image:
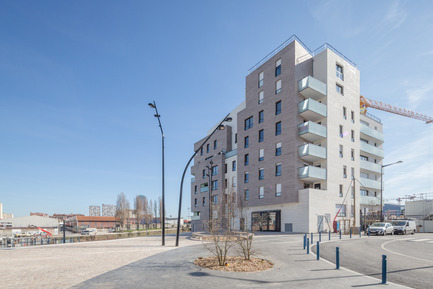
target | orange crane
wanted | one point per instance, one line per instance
(365, 102)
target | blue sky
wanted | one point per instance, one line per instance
(76, 77)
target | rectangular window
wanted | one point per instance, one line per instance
(341, 131)
(204, 201)
(204, 174)
(278, 87)
(278, 170)
(246, 195)
(341, 191)
(225, 183)
(278, 149)
(363, 140)
(261, 135)
(317, 186)
(352, 116)
(344, 172)
(261, 192)
(341, 151)
(246, 141)
(249, 123)
(195, 203)
(261, 75)
(341, 209)
(352, 135)
(207, 148)
(246, 177)
(204, 188)
(261, 97)
(246, 159)
(236, 138)
(352, 154)
(339, 89)
(233, 181)
(278, 108)
(195, 189)
(363, 192)
(261, 174)
(261, 114)
(261, 154)
(344, 112)
(339, 71)
(364, 158)
(214, 170)
(201, 151)
(278, 128)
(215, 144)
(278, 67)
(233, 166)
(278, 190)
(225, 168)
(214, 185)
(352, 173)
(215, 199)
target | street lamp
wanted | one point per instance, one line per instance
(220, 126)
(209, 173)
(153, 105)
(381, 187)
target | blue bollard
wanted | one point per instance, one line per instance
(320, 236)
(311, 238)
(305, 241)
(383, 269)
(350, 233)
(369, 233)
(359, 231)
(337, 257)
(340, 234)
(308, 246)
(318, 251)
(329, 235)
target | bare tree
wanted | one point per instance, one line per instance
(148, 213)
(138, 210)
(155, 209)
(122, 209)
(244, 244)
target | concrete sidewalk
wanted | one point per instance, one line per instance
(293, 268)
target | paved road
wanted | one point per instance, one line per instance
(293, 268)
(410, 257)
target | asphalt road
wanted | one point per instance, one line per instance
(409, 257)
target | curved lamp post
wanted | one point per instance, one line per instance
(381, 187)
(153, 105)
(220, 126)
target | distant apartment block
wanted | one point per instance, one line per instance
(298, 152)
(108, 210)
(39, 214)
(94, 211)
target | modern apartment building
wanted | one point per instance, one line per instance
(298, 151)
(94, 211)
(108, 210)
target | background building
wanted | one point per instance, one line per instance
(108, 210)
(298, 151)
(94, 211)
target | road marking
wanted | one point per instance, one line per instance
(420, 240)
(431, 242)
(383, 247)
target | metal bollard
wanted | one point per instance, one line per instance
(318, 250)
(308, 246)
(337, 257)
(359, 231)
(369, 233)
(320, 236)
(329, 235)
(305, 241)
(340, 234)
(311, 238)
(350, 233)
(13, 243)
(383, 269)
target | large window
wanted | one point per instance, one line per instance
(261, 75)
(214, 170)
(261, 114)
(341, 209)
(233, 166)
(261, 173)
(278, 169)
(339, 71)
(246, 177)
(339, 89)
(261, 155)
(246, 141)
(204, 187)
(278, 67)
(278, 149)
(249, 123)
(278, 128)
(278, 190)
(261, 135)
(278, 108)
(261, 192)
(278, 87)
(261, 97)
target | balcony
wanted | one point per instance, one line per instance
(368, 131)
(369, 200)
(193, 180)
(311, 87)
(370, 184)
(231, 153)
(195, 218)
(311, 131)
(312, 110)
(369, 166)
(310, 173)
(311, 152)
(364, 147)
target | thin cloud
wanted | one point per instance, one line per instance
(395, 16)
(418, 94)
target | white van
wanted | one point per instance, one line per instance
(404, 227)
(88, 231)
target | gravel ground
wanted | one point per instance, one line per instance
(65, 265)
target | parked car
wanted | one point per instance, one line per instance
(88, 231)
(381, 229)
(404, 226)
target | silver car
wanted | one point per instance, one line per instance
(381, 229)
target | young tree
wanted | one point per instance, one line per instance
(155, 209)
(122, 209)
(138, 210)
(244, 243)
(148, 213)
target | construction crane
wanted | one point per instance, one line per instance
(365, 102)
